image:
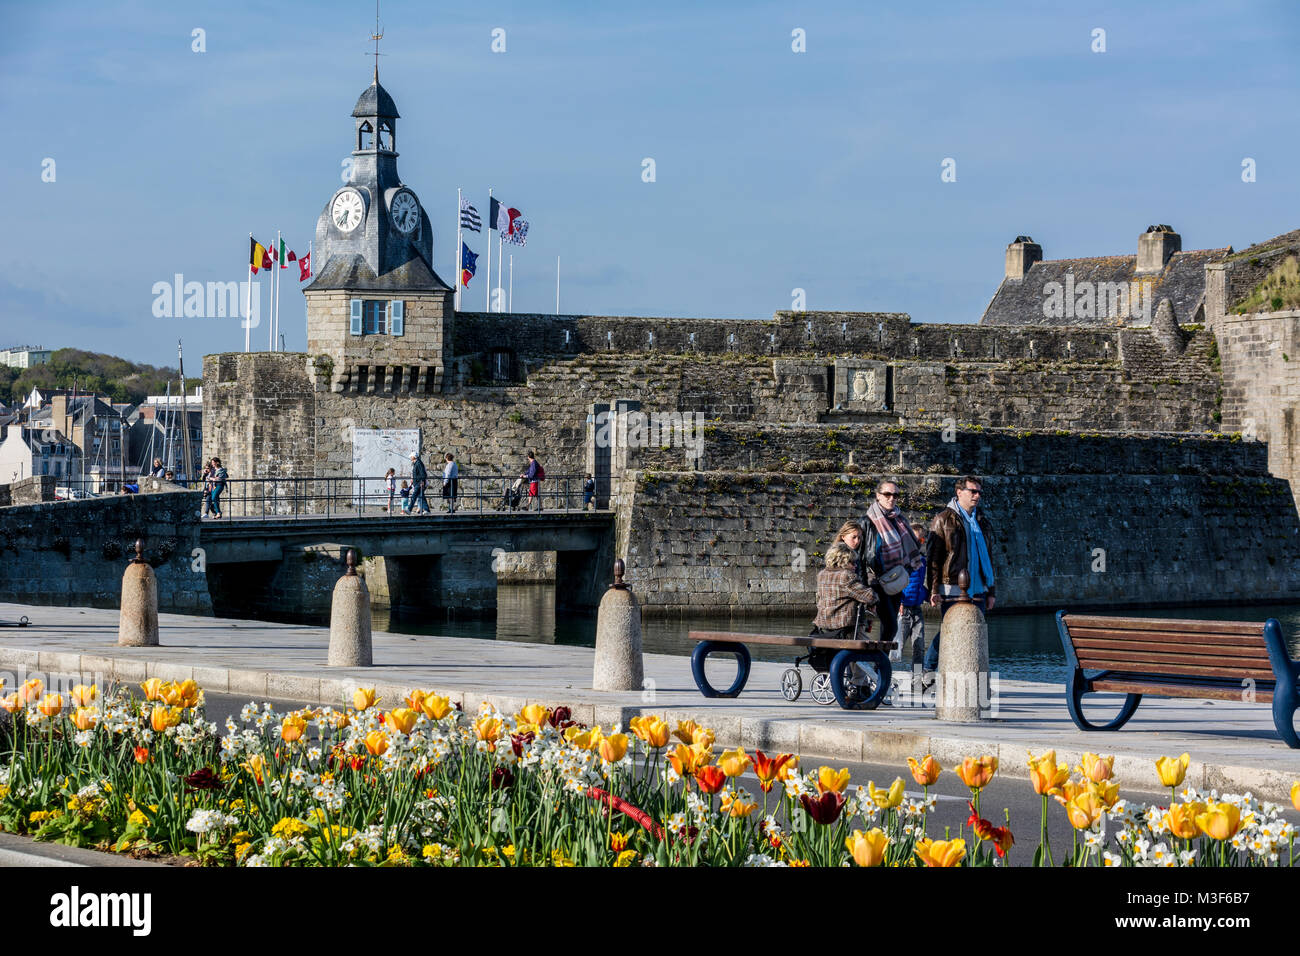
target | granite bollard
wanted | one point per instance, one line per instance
(138, 621)
(963, 679)
(350, 620)
(618, 638)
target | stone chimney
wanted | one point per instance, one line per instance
(1022, 254)
(1155, 246)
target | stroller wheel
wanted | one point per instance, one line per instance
(791, 684)
(821, 689)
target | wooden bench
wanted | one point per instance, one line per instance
(873, 654)
(1161, 657)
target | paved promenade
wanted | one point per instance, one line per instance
(1234, 746)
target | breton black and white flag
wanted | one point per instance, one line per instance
(469, 217)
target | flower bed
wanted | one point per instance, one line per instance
(423, 784)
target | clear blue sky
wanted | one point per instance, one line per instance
(775, 170)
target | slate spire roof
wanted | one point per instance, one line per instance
(375, 101)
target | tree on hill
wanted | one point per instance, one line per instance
(119, 379)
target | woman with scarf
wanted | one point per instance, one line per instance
(889, 550)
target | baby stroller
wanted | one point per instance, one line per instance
(512, 496)
(866, 683)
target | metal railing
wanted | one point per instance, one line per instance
(368, 497)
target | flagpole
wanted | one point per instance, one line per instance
(248, 298)
(305, 312)
(279, 265)
(456, 278)
(510, 302)
(500, 247)
(557, 285)
(487, 286)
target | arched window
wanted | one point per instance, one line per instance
(364, 134)
(386, 137)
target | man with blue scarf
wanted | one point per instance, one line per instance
(960, 539)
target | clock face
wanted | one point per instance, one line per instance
(405, 211)
(347, 210)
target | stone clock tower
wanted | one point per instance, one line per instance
(376, 308)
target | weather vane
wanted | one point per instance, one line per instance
(377, 36)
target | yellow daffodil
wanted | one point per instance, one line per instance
(402, 719)
(1046, 774)
(653, 730)
(867, 849)
(51, 705)
(734, 762)
(829, 779)
(363, 698)
(1083, 810)
(1180, 818)
(83, 695)
(886, 799)
(377, 742)
(613, 747)
(1219, 821)
(925, 771)
(1096, 768)
(435, 707)
(161, 717)
(976, 772)
(941, 852)
(292, 728)
(1172, 770)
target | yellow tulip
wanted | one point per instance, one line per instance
(377, 742)
(693, 735)
(926, 771)
(1180, 818)
(941, 852)
(415, 699)
(11, 704)
(734, 762)
(653, 730)
(30, 692)
(83, 719)
(613, 747)
(83, 695)
(435, 707)
(487, 728)
(1046, 774)
(1295, 795)
(1083, 810)
(161, 717)
(1068, 791)
(1107, 792)
(1172, 770)
(686, 760)
(402, 719)
(886, 799)
(867, 849)
(256, 765)
(151, 688)
(169, 694)
(829, 779)
(363, 698)
(976, 772)
(534, 714)
(1219, 821)
(292, 728)
(1096, 768)
(51, 705)
(186, 694)
(733, 806)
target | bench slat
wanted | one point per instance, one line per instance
(1233, 654)
(1114, 663)
(1166, 637)
(1242, 628)
(781, 640)
(1182, 689)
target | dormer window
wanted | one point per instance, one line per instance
(365, 133)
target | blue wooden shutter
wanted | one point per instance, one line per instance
(356, 316)
(396, 317)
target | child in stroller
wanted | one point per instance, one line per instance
(844, 611)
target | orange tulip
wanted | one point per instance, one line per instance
(488, 729)
(256, 765)
(187, 694)
(692, 734)
(377, 742)
(1083, 810)
(402, 719)
(435, 707)
(83, 695)
(653, 730)
(769, 769)
(1219, 821)
(613, 747)
(941, 852)
(710, 779)
(363, 698)
(733, 806)
(734, 762)
(868, 849)
(1180, 818)
(1096, 768)
(160, 718)
(686, 760)
(30, 692)
(789, 768)
(1172, 770)
(1295, 795)
(1068, 791)
(292, 728)
(1046, 774)
(829, 779)
(926, 771)
(415, 699)
(83, 719)
(51, 705)
(152, 688)
(976, 772)
(11, 704)
(141, 754)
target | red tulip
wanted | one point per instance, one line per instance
(768, 768)
(825, 808)
(710, 779)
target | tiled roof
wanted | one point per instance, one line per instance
(1021, 301)
(352, 272)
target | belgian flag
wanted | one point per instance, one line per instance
(258, 257)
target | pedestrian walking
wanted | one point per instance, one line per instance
(589, 492)
(961, 539)
(911, 619)
(450, 478)
(219, 478)
(390, 483)
(534, 474)
(419, 479)
(205, 482)
(890, 550)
